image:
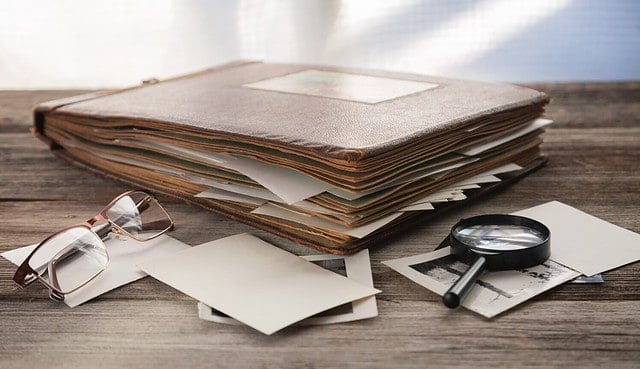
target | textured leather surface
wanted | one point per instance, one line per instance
(216, 101)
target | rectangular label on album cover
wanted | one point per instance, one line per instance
(343, 86)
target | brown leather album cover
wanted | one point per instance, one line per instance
(329, 157)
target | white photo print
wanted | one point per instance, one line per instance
(356, 267)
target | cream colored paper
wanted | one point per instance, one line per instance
(419, 206)
(218, 194)
(357, 267)
(479, 179)
(584, 242)
(254, 282)
(251, 191)
(477, 149)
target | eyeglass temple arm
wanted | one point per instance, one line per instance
(24, 276)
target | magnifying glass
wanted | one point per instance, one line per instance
(495, 242)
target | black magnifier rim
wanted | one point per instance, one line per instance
(502, 259)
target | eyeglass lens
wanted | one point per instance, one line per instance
(140, 215)
(498, 237)
(70, 258)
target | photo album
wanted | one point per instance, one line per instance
(331, 158)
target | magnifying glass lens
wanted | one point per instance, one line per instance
(498, 237)
(495, 242)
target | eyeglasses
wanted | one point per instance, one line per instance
(73, 256)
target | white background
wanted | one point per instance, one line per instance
(92, 43)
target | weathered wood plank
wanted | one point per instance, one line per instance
(590, 105)
(167, 334)
(15, 107)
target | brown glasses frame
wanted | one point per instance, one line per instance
(25, 274)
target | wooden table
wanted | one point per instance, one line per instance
(594, 155)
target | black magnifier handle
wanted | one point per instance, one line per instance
(459, 290)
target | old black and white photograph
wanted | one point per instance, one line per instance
(494, 292)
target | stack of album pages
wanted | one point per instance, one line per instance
(332, 158)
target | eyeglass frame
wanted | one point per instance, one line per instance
(25, 274)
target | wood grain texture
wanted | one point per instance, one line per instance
(594, 156)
